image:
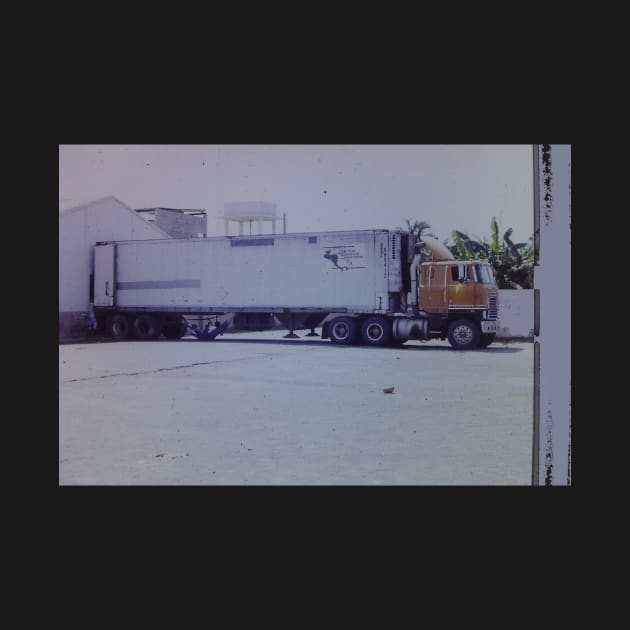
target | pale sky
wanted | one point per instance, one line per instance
(319, 187)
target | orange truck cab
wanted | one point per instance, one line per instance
(460, 299)
(449, 299)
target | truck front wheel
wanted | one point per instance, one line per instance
(463, 334)
(343, 330)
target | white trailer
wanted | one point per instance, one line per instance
(355, 284)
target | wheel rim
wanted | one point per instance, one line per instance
(463, 334)
(375, 332)
(341, 330)
(118, 328)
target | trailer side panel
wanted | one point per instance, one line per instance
(345, 270)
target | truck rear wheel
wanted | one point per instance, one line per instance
(120, 327)
(376, 331)
(463, 334)
(146, 327)
(174, 328)
(486, 339)
(343, 330)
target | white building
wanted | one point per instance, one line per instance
(80, 228)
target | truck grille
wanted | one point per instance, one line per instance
(492, 306)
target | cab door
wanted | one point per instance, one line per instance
(461, 286)
(433, 288)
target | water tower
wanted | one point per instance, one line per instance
(249, 212)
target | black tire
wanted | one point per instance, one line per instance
(174, 328)
(486, 339)
(377, 331)
(120, 327)
(146, 327)
(343, 331)
(463, 334)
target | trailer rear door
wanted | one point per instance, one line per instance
(104, 274)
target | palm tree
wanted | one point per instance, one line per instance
(413, 226)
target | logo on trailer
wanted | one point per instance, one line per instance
(349, 257)
(335, 259)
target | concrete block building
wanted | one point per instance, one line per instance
(178, 223)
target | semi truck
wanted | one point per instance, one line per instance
(372, 287)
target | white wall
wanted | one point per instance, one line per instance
(80, 228)
(516, 313)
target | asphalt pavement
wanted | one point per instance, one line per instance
(255, 408)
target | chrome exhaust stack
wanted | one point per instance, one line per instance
(412, 298)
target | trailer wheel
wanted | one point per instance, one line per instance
(486, 339)
(146, 327)
(376, 331)
(174, 329)
(463, 334)
(343, 330)
(120, 327)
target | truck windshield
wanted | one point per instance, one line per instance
(485, 274)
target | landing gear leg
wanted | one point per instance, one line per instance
(291, 334)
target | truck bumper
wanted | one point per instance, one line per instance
(489, 327)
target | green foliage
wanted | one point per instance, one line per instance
(416, 227)
(513, 263)
(494, 243)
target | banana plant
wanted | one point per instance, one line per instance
(512, 262)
